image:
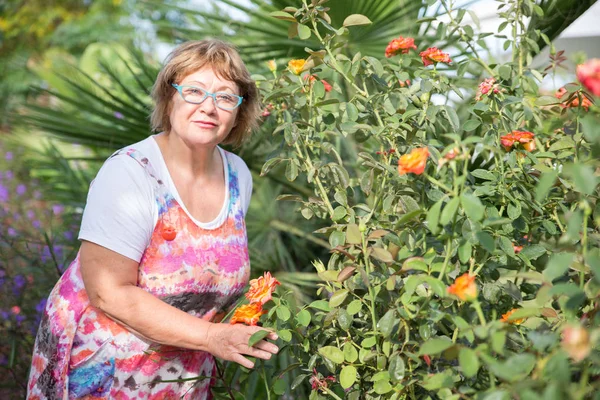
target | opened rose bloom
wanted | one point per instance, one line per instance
(488, 86)
(515, 137)
(414, 162)
(399, 45)
(434, 55)
(506, 316)
(261, 289)
(295, 66)
(576, 342)
(563, 95)
(589, 75)
(464, 287)
(248, 314)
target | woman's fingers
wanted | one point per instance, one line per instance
(267, 346)
(243, 361)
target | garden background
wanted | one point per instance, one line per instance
(407, 200)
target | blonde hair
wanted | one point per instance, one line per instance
(224, 59)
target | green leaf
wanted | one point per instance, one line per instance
(350, 353)
(514, 210)
(283, 313)
(397, 369)
(356, 19)
(483, 174)
(464, 252)
(498, 340)
(544, 185)
(468, 361)
(282, 15)
(486, 241)
(472, 206)
(353, 235)
(291, 171)
(354, 307)
(533, 252)
(322, 305)
(338, 298)
(387, 322)
(257, 337)
(368, 342)
(452, 118)
(348, 376)
(382, 386)
(559, 264)
(435, 346)
(471, 125)
(339, 213)
(269, 165)
(303, 318)
(433, 216)
(303, 32)
(583, 177)
(449, 211)
(332, 353)
(285, 335)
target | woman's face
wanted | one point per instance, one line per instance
(203, 124)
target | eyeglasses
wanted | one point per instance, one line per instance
(196, 95)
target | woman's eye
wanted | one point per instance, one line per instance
(225, 97)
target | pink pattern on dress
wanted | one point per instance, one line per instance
(80, 353)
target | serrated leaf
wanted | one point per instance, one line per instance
(356, 19)
(483, 174)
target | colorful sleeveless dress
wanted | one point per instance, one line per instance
(80, 353)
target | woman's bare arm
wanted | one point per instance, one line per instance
(110, 281)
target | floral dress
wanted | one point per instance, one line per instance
(80, 353)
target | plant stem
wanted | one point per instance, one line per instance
(477, 308)
(332, 394)
(371, 291)
(446, 259)
(440, 184)
(264, 375)
(587, 211)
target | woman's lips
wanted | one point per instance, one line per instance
(205, 124)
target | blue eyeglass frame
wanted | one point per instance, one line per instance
(207, 94)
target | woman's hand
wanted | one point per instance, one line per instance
(230, 342)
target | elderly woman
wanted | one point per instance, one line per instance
(164, 248)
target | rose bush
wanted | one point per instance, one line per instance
(462, 213)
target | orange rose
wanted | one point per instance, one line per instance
(399, 45)
(589, 75)
(414, 162)
(248, 314)
(574, 102)
(523, 137)
(262, 288)
(434, 55)
(295, 66)
(506, 316)
(576, 342)
(464, 287)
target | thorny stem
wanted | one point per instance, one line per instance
(446, 259)
(586, 215)
(477, 308)
(264, 376)
(440, 184)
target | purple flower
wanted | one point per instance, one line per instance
(21, 189)
(57, 209)
(118, 115)
(41, 306)
(3, 359)
(36, 224)
(45, 256)
(9, 175)
(37, 194)
(3, 193)
(16, 216)
(30, 214)
(68, 235)
(8, 156)
(12, 232)
(19, 281)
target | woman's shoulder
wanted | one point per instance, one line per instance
(239, 164)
